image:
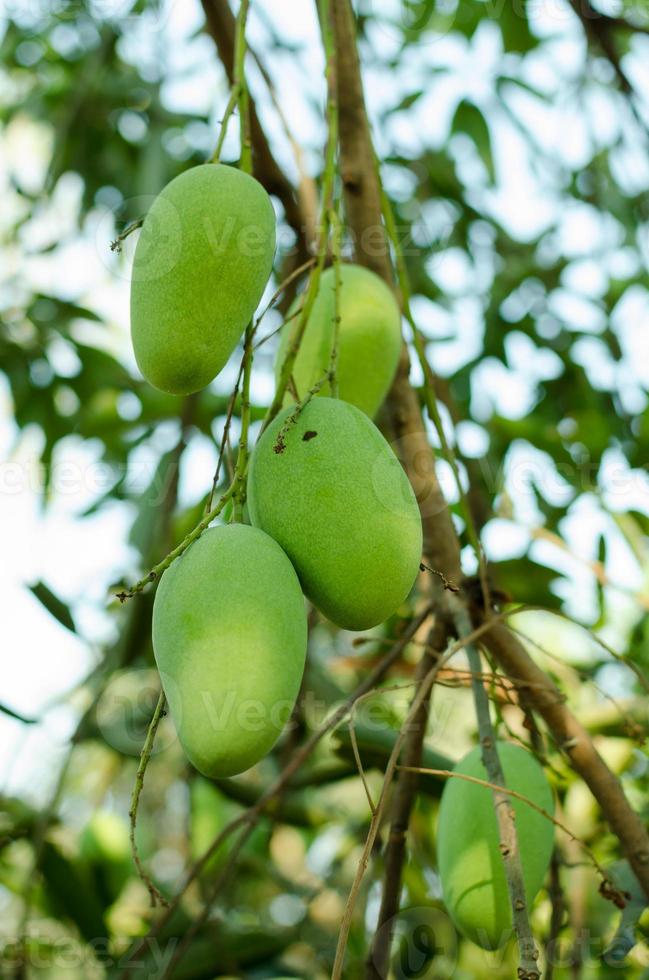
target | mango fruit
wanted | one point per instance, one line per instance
(369, 338)
(229, 637)
(201, 264)
(330, 490)
(469, 861)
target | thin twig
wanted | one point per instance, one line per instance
(558, 903)
(359, 764)
(214, 891)
(452, 774)
(193, 535)
(145, 755)
(239, 480)
(446, 582)
(17, 715)
(335, 258)
(116, 245)
(505, 815)
(221, 25)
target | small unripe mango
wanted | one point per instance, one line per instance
(469, 861)
(201, 264)
(369, 338)
(330, 490)
(229, 636)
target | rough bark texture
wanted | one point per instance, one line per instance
(404, 797)
(363, 210)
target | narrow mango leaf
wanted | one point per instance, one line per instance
(469, 119)
(55, 606)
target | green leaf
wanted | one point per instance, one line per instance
(70, 892)
(527, 582)
(514, 26)
(55, 606)
(469, 119)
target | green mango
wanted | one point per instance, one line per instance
(201, 264)
(369, 338)
(229, 636)
(469, 861)
(339, 503)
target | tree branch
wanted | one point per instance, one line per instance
(573, 740)
(505, 814)
(377, 963)
(364, 217)
(441, 544)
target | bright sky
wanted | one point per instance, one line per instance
(80, 557)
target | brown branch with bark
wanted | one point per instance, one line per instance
(441, 544)
(363, 212)
(376, 965)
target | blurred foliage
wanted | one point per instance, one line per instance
(533, 331)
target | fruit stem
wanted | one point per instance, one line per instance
(336, 238)
(239, 482)
(324, 225)
(158, 569)
(245, 160)
(238, 97)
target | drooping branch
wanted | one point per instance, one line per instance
(145, 756)
(505, 814)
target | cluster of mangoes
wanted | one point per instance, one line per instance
(333, 515)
